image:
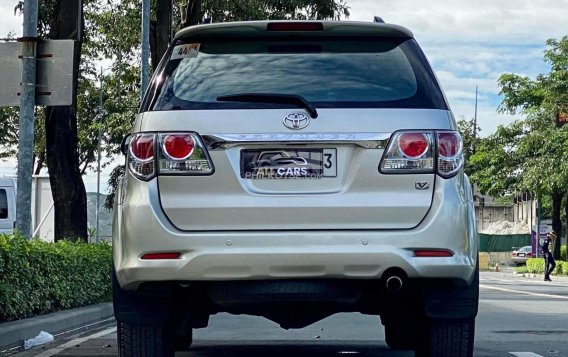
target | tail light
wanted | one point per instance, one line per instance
(423, 151)
(450, 156)
(178, 146)
(141, 156)
(409, 152)
(413, 145)
(152, 154)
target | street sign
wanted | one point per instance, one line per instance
(54, 73)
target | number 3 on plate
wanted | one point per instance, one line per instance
(329, 162)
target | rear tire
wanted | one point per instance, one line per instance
(183, 342)
(399, 337)
(447, 338)
(144, 340)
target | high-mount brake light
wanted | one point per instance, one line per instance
(178, 146)
(294, 26)
(413, 145)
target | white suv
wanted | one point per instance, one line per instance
(293, 170)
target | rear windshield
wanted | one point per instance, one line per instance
(328, 73)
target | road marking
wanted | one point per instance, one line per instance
(75, 342)
(524, 292)
(524, 354)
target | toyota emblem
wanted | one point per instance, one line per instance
(296, 121)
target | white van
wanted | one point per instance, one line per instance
(7, 204)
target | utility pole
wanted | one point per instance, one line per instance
(475, 121)
(100, 117)
(26, 129)
(145, 47)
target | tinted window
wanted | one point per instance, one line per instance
(3, 204)
(329, 73)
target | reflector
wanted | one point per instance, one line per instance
(433, 253)
(153, 256)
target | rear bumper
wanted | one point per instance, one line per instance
(140, 227)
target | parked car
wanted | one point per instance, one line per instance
(373, 214)
(521, 255)
(7, 205)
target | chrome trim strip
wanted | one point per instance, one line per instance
(365, 140)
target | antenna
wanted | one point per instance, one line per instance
(378, 19)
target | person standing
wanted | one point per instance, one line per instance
(549, 263)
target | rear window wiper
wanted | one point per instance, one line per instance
(271, 98)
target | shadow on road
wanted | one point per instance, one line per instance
(292, 348)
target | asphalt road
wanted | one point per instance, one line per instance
(518, 317)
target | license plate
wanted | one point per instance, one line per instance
(521, 254)
(288, 163)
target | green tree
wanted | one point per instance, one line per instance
(67, 141)
(119, 35)
(470, 137)
(530, 154)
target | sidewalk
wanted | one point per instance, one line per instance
(509, 272)
(13, 333)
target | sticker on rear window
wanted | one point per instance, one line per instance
(185, 51)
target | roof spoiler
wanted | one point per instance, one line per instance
(378, 19)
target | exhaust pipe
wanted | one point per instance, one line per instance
(393, 283)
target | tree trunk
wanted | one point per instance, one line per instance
(68, 189)
(556, 222)
(160, 31)
(192, 13)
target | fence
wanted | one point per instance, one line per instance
(502, 242)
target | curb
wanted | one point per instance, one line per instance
(13, 333)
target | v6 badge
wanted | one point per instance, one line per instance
(422, 185)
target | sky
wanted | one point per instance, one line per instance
(469, 43)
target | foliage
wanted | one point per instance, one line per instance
(37, 277)
(9, 117)
(224, 11)
(8, 131)
(470, 137)
(115, 176)
(529, 155)
(521, 269)
(536, 266)
(111, 35)
(494, 165)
